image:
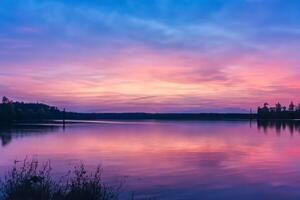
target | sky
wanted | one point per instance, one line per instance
(150, 55)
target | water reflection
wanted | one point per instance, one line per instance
(23, 130)
(291, 126)
(7, 134)
(176, 160)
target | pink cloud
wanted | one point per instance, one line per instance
(155, 80)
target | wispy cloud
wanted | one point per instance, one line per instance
(150, 55)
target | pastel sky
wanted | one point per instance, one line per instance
(150, 55)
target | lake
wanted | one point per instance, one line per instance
(170, 159)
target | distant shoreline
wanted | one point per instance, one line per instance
(159, 116)
(65, 118)
(11, 112)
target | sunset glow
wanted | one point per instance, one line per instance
(148, 55)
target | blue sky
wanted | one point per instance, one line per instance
(205, 54)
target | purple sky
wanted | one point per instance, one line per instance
(150, 55)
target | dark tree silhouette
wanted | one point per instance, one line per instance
(298, 108)
(278, 107)
(278, 112)
(11, 111)
(291, 106)
(5, 100)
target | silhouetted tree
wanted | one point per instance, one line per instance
(279, 112)
(284, 108)
(298, 108)
(11, 111)
(5, 100)
(265, 108)
(7, 110)
(278, 107)
(291, 106)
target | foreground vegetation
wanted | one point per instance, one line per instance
(31, 181)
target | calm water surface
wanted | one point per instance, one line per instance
(171, 160)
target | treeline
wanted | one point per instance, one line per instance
(11, 111)
(15, 111)
(160, 116)
(279, 111)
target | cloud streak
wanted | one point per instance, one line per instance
(149, 55)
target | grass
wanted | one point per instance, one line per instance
(32, 181)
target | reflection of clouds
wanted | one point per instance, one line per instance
(185, 155)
